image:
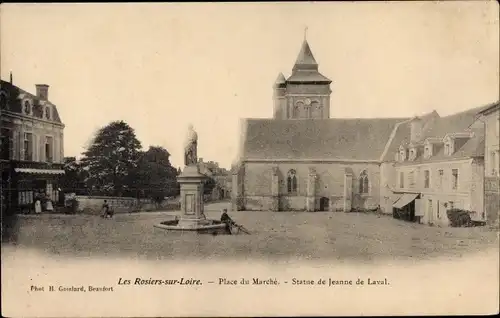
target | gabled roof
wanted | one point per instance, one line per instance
(338, 139)
(13, 92)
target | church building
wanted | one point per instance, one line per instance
(304, 160)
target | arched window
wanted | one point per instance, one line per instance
(363, 182)
(291, 181)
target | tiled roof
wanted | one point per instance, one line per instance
(301, 76)
(13, 93)
(305, 56)
(437, 128)
(474, 147)
(280, 79)
(305, 69)
(402, 136)
(341, 139)
(489, 108)
(458, 122)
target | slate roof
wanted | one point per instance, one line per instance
(305, 69)
(341, 139)
(490, 108)
(305, 56)
(280, 80)
(402, 135)
(439, 127)
(308, 77)
(14, 102)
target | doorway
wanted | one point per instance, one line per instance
(324, 204)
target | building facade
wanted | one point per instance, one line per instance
(490, 117)
(302, 159)
(32, 147)
(221, 176)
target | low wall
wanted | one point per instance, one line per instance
(93, 204)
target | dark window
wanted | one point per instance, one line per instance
(427, 180)
(292, 182)
(6, 144)
(454, 173)
(3, 101)
(28, 146)
(27, 107)
(363, 182)
(48, 149)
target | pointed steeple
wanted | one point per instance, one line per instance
(305, 69)
(280, 80)
(305, 59)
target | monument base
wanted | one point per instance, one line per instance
(201, 226)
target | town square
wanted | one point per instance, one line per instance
(155, 133)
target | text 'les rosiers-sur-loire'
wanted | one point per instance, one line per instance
(253, 281)
(151, 281)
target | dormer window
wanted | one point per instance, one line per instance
(428, 151)
(402, 154)
(448, 146)
(27, 107)
(47, 113)
(413, 154)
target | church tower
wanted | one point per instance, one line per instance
(306, 93)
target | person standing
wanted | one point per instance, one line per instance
(105, 209)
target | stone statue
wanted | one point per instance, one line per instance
(190, 155)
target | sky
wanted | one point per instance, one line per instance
(160, 67)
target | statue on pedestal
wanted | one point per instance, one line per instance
(190, 147)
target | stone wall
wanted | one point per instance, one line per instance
(329, 184)
(93, 204)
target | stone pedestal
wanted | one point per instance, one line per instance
(191, 183)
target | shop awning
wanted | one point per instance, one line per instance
(38, 171)
(404, 200)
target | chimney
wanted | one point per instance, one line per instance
(11, 78)
(42, 91)
(416, 129)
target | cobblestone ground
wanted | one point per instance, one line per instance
(274, 236)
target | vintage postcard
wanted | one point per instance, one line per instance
(250, 159)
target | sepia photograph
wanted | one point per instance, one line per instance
(250, 159)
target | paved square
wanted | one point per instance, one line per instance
(276, 236)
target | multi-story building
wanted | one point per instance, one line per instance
(491, 119)
(32, 151)
(440, 166)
